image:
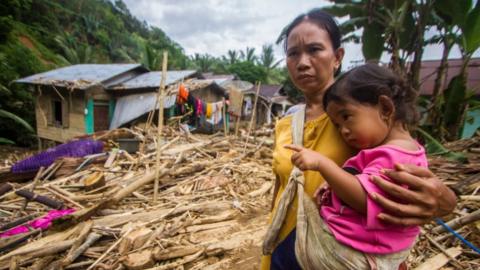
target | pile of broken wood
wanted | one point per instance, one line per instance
(210, 210)
(437, 248)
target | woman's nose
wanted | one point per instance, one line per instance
(303, 62)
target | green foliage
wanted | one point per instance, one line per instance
(16, 119)
(472, 29)
(434, 147)
(399, 26)
(372, 41)
(40, 35)
(248, 71)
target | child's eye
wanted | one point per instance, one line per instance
(346, 117)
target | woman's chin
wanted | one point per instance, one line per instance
(311, 89)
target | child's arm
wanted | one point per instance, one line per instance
(346, 186)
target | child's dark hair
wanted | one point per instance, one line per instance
(366, 83)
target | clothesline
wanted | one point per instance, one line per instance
(211, 111)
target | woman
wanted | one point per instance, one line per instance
(314, 55)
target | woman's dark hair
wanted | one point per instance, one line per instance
(366, 83)
(323, 20)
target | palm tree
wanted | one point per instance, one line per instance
(248, 55)
(268, 62)
(267, 58)
(203, 62)
(150, 57)
(73, 52)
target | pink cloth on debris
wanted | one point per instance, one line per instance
(39, 223)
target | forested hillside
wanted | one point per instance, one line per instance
(40, 35)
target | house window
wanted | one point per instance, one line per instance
(57, 113)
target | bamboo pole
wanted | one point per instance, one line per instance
(253, 116)
(32, 188)
(224, 108)
(160, 123)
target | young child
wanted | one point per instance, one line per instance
(372, 109)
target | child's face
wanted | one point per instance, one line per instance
(361, 126)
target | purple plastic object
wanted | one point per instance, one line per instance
(40, 223)
(78, 148)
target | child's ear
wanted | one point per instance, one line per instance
(387, 108)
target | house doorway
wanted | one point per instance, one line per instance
(100, 115)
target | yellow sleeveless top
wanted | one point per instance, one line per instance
(319, 135)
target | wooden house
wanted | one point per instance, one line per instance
(272, 103)
(82, 99)
(72, 101)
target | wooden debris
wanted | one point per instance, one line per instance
(139, 260)
(94, 181)
(134, 240)
(211, 210)
(39, 198)
(439, 260)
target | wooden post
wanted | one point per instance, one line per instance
(253, 116)
(160, 122)
(224, 109)
(237, 124)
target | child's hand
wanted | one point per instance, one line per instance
(305, 159)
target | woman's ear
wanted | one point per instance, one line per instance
(387, 108)
(339, 53)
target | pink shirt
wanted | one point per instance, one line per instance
(367, 233)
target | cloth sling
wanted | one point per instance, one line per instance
(308, 226)
(315, 247)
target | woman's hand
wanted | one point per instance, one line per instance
(305, 159)
(426, 198)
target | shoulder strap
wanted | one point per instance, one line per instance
(298, 121)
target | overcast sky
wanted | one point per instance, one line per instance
(216, 26)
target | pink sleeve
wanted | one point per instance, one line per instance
(374, 161)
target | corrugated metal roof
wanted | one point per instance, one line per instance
(79, 76)
(152, 79)
(428, 74)
(266, 90)
(128, 108)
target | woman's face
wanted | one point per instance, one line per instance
(311, 59)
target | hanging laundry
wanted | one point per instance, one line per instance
(191, 99)
(247, 109)
(208, 111)
(182, 94)
(216, 112)
(236, 102)
(199, 107)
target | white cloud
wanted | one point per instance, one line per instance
(216, 26)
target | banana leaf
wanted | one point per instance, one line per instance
(455, 102)
(17, 119)
(471, 30)
(6, 141)
(453, 11)
(372, 41)
(434, 147)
